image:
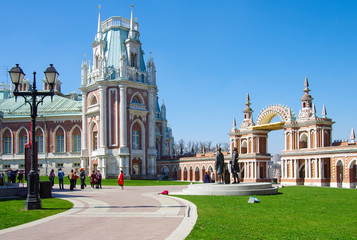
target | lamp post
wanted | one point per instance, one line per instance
(33, 98)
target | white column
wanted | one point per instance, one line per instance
(320, 168)
(322, 137)
(286, 168)
(123, 131)
(104, 167)
(256, 164)
(152, 152)
(306, 169)
(316, 168)
(123, 116)
(258, 150)
(103, 116)
(310, 173)
(245, 170)
(297, 169)
(84, 137)
(248, 147)
(282, 169)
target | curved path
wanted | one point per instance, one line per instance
(112, 213)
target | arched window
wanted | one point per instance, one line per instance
(7, 142)
(39, 140)
(95, 140)
(303, 141)
(76, 140)
(136, 141)
(22, 141)
(59, 140)
(93, 100)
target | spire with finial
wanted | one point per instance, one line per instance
(234, 123)
(99, 31)
(306, 102)
(248, 116)
(324, 112)
(131, 33)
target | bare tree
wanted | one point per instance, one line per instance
(181, 146)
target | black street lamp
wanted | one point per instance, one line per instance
(33, 98)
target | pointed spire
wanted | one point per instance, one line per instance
(352, 136)
(313, 109)
(99, 31)
(324, 112)
(234, 122)
(131, 33)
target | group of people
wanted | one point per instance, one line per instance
(96, 179)
(13, 174)
(72, 176)
(219, 165)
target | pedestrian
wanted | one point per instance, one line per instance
(60, 178)
(71, 180)
(20, 177)
(93, 180)
(99, 179)
(206, 178)
(75, 179)
(82, 176)
(121, 180)
(52, 177)
(219, 164)
(235, 166)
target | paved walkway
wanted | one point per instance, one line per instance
(112, 213)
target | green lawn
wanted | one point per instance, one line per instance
(12, 211)
(114, 182)
(297, 213)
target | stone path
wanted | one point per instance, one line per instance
(112, 213)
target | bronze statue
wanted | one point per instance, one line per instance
(235, 166)
(219, 164)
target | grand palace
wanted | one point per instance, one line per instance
(117, 124)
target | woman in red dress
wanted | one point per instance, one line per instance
(121, 180)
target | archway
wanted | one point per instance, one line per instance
(339, 173)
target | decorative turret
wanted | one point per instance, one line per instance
(133, 46)
(98, 37)
(163, 111)
(131, 33)
(306, 102)
(352, 136)
(84, 71)
(248, 114)
(324, 112)
(151, 70)
(234, 124)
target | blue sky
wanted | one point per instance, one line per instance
(208, 55)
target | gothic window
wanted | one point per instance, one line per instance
(22, 141)
(76, 140)
(39, 140)
(133, 57)
(136, 139)
(95, 140)
(93, 100)
(60, 140)
(303, 141)
(7, 140)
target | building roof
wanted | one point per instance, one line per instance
(59, 106)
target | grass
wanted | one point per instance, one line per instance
(12, 211)
(114, 182)
(297, 213)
